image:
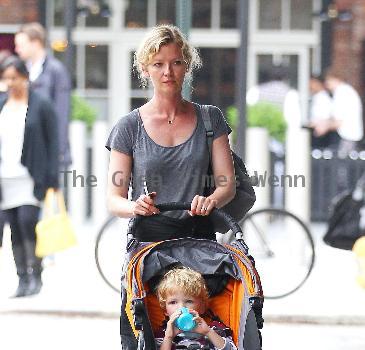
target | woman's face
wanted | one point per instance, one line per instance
(15, 82)
(167, 69)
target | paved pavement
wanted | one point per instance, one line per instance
(45, 332)
(72, 286)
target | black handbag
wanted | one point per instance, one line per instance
(245, 195)
(346, 224)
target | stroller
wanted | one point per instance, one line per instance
(234, 285)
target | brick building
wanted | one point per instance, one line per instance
(348, 44)
(13, 13)
(18, 11)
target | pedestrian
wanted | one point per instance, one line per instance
(28, 167)
(346, 118)
(162, 145)
(4, 54)
(321, 110)
(49, 77)
(183, 287)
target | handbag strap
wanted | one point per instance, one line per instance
(208, 128)
(49, 200)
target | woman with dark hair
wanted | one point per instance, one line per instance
(28, 167)
(4, 54)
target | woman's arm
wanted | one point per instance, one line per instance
(119, 174)
(223, 171)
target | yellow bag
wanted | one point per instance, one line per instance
(54, 231)
(359, 250)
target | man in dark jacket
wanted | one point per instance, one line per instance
(49, 77)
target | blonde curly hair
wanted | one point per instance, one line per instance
(183, 279)
(162, 35)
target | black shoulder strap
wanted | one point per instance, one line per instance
(208, 127)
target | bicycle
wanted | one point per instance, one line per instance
(279, 241)
(109, 251)
(283, 249)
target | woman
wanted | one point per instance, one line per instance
(4, 54)
(163, 147)
(28, 167)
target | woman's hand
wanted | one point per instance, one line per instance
(145, 205)
(202, 205)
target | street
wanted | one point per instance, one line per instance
(77, 310)
(52, 332)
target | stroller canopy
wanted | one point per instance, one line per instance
(230, 274)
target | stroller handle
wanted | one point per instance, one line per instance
(217, 213)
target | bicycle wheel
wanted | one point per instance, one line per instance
(109, 251)
(282, 247)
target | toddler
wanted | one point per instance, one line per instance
(183, 287)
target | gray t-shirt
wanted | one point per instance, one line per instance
(175, 173)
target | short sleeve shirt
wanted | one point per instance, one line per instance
(175, 173)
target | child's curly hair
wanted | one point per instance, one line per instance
(183, 279)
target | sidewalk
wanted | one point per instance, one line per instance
(330, 295)
(73, 286)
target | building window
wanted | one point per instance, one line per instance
(285, 14)
(204, 13)
(289, 65)
(214, 83)
(136, 14)
(96, 66)
(61, 55)
(229, 14)
(93, 13)
(166, 12)
(270, 14)
(59, 17)
(88, 13)
(201, 14)
(90, 79)
(96, 20)
(301, 14)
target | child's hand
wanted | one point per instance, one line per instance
(171, 330)
(204, 329)
(201, 325)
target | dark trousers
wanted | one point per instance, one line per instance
(22, 222)
(2, 223)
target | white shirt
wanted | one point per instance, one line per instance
(12, 125)
(35, 69)
(347, 107)
(321, 106)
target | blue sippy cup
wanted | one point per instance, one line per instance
(185, 321)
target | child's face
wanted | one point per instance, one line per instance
(179, 299)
